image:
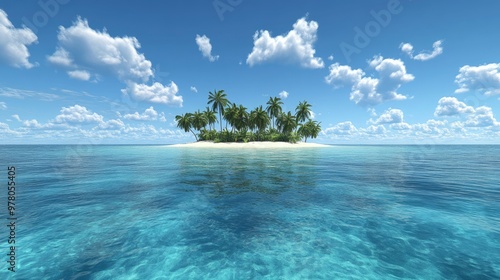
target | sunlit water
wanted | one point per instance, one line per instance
(346, 212)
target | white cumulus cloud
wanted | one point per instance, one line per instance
(111, 125)
(450, 106)
(6, 130)
(14, 42)
(390, 68)
(85, 53)
(471, 117)
(149, 114)
(432, 127)
(156, 93)
(283, 95)
(32, 124)
(343, 75)
(423, 56)
(343, 128)
(482, 117)
(205, 47)
(375, 129)
(194, 89)
(400, 126)
(407, 48)
(78, 114)
(79, 75)
(391, 116)
(294, 47)
(483, 78)
(368, 90)
(83, 48)
(73, 119)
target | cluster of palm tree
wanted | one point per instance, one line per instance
(270, 124)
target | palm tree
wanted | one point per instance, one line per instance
(199, 120)
(211, 117)
(303, 111)
(218, 99)
(315, 129)
(251, 120)
(286, 122)
(185, 122)
(241, 118)
(309, 129)
(230, 114)
(274, 108)
(245, 125)
(259, 119)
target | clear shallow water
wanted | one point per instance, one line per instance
(348, 212)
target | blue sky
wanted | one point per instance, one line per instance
(376, 72)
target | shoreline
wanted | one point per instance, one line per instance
(253, 145)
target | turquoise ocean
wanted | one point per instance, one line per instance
(339, 212)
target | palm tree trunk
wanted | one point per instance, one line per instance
(220, 120)
(195, 137)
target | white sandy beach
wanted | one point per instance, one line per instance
(249, 145)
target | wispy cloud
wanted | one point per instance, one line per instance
(22, 94)
(422, 56)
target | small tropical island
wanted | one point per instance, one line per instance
(256, 126)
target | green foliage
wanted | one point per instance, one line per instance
(256, 125)
(309, 129)
(259, 119)
(286, 123)
(199, 120)
(185, 122)
(208, 135)
(226, 136)
(210, 116)
(219, 101)
(274, 108)
(303, 111)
